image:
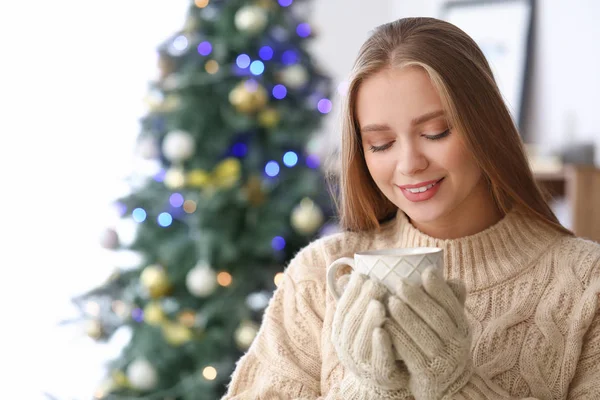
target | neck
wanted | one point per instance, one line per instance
(488, 257)
(475, 214)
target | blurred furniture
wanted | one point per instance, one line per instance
(579, 186)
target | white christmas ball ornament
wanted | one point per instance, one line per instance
(307, 217)
(142, 375)
(251, 19)
(201, 281)
(294, 76)
(178, 146)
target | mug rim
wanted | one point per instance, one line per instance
(402, 251)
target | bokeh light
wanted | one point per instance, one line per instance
(312, 161)
(290, 159)
(266, 53)
(278, 243)
(164, 219)
(279, 92)
(285, 3)
(239, 149)
(204, 48)
(303, 30)
(139, 215)
(278, 278)
(176, 200)
(189, 206)
(224, 279)
(212, 67)
(209, 373)
(272, 169)
(243, 60)
(324, 106)
(289, 57)
(257, 67)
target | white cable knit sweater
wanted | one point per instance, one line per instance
(532, 303)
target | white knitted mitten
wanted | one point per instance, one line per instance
(430, 332)
(363, 346)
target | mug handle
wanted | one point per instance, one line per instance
(332, 272)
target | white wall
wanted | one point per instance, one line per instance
(564, 78)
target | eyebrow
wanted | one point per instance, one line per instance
(415, 121)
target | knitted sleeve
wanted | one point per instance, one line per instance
(586, 381)
(284, 360)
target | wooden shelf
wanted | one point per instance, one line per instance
(579, 185)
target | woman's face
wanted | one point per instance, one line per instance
(417, 160)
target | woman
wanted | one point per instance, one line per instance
(430, 157)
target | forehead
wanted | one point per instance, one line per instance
(396, 96)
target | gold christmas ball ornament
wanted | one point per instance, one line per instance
(171, 103)
(248, 97)
(154, 279)
(254, 191)
(198, 178)
(154, 313)
(227, 172)
(245, 334)
(176, 334)
(269, 118)
(175, 178)
(251, 19)
(94, 329)
(307, 217)
(119, 379)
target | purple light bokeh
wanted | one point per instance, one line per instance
(324, 106)
(243, 60)
(312, 161)
(285, 3)
(266, 53)
(303, 30)
(176, 200)
(279, 92)
(204, 48)
(137, 314)
(278, 243)
(289, 57)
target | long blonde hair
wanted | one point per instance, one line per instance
(464, 81)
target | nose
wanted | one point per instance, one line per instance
(411, 160)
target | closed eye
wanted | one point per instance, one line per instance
(384, 147)
(438, 136)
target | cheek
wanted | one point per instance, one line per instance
(458, 159)
(380, 167)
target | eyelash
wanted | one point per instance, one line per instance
(386, 146)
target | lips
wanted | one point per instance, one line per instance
(421, 196)
(418, 185)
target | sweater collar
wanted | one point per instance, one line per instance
(489, 257)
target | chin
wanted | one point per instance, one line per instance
(424, 215)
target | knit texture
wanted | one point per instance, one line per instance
(532, 308)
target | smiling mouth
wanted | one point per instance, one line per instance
(423, 188)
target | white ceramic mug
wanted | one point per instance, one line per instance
(389, 266)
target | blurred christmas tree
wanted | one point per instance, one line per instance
(236, 192)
